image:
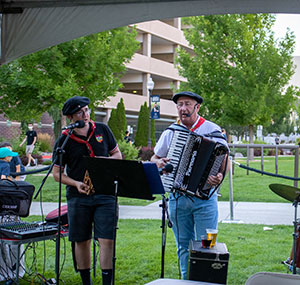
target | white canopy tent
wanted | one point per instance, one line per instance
(31, 25)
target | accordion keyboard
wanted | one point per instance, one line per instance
(175, 151)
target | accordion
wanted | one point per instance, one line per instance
(194, 158)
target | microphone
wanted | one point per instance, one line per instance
(167, 168)
(78, 124)
(189, 115)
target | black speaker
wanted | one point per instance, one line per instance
(208, 264)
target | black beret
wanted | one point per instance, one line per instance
(74, 104)
(195, 96)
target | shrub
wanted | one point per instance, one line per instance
(271, 152)
(117, 121)
(44, 142)
(129, 152)
(15, 145)
(141, 136)
(257, 151)
(24, 159)
(145, 153)
(47, 162)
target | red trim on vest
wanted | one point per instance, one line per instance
(86, 142)
(199, 123)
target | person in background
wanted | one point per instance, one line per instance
(6, 156)
(127, 138)
(87, 210)
(190, 215)
(224, 134)
(15, 163)
(9, 253)
(31, 138)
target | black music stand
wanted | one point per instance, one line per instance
(158, 188)
(125, 178)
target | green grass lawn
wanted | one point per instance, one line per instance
(255, 187)
(139, 253)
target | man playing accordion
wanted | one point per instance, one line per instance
(190, 215)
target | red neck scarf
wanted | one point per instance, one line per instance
(79, 140)
(198, 124)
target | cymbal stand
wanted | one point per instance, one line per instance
(295, 234)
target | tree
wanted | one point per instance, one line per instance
(112, 122)
(282, 125)
(141, 136)
(152, 135)
(117, 121)
(121, 118)
(142, 132)
(239, 68)
(89, 66)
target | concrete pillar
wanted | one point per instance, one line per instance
(147, 44)
(176, 84)
(146, 77)
(177, 23)
(146, 52)
(175, 47)
(106, 118)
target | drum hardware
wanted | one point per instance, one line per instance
(291, 194)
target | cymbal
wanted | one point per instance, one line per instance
(287, 192)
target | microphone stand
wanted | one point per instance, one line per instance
(59, 152)
(165, 213)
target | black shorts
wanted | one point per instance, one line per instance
(86, 211)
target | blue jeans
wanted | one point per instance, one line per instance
(191, 217)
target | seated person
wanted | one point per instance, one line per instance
(9, 252)
(6, 156)
(15, 163)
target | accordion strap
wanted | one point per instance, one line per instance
(215, 134)
(177, 127)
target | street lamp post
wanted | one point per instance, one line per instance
(150, 86)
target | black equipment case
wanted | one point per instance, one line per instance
(208, 264)
(15, 197)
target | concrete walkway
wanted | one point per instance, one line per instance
(243, 212)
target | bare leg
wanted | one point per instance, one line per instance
(83, 254)
(30, 158)
(106, 253)
(106, 263)
(28, 155)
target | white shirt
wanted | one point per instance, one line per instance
(163, 144)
